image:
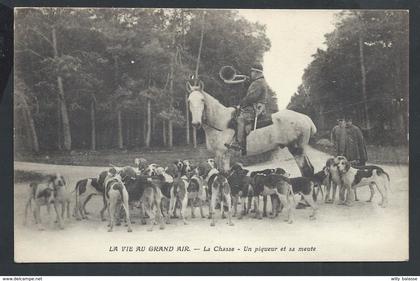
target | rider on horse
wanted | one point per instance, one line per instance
(251, 106)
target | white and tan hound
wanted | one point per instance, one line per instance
(372, 176)
(116, 194)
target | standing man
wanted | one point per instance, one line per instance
(338, 137)
(251, 105)
(355, 150)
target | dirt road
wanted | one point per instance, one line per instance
(359, 233)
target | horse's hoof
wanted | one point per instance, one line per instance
(368, 201)
(240, 217)
(118, 224)
(143, 222)
(129, 230)
(312, 218)
(162, 227)
(212, 224)
(110, 230)
(203, 216)
(234, 215)
(264, 215)
(290, 221)
(78, 219)
(103, 219)
(150, 229)
(185, 223)
(41, 229)
(223, 216)
(231, 224)
(87, 213)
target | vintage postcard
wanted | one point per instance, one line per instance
(210, 135)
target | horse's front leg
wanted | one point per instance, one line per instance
(223, 160)
(302, 160)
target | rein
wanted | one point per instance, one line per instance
(204, 121)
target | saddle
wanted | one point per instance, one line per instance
(262, 120)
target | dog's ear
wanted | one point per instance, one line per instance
(326, 170)
(64, 181)
(347, 166)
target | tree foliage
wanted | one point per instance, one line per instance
(113, 62)
(333, 82)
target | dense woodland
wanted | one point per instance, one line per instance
(115, 78)
(363, 73)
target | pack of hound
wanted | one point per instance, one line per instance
(162, 195)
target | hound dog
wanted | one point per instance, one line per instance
(164, 181)
(144, 193)
(241, 188)
(334, 181)
(197, 194)
(207, 171)
(85, 189)
(320, 180)
(258, 186)
(179, 195)
(116, 194)
(304, 187)
(372, 176)
(40, 194)
(220, 190)
(279, 185)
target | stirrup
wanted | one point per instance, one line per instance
(233, 146)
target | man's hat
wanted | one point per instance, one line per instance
(257, 67)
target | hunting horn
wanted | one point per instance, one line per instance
(228, 74)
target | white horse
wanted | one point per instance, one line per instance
(289, 129)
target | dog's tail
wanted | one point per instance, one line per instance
(387, 183)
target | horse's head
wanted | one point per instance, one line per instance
(196, 103)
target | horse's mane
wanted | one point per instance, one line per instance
(213, 102)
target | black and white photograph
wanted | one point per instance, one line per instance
(210, 135)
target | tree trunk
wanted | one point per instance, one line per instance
(120, 133)
(187, 116)
(62, 102)
(30, 124)
(363, 73)
(127, 132)
(93, 126)
(170, 132)
(164, 133)
(59, 126)
(153, 130)
(149, 123)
